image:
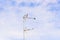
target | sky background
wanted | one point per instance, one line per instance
(45, 27)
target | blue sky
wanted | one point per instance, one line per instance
(45, 27)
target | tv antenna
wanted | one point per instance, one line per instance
(25, 29)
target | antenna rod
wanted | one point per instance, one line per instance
(25, 17)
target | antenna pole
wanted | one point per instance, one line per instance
(25, 17)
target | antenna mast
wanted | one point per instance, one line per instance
(25, 17)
